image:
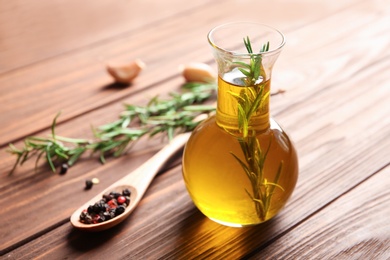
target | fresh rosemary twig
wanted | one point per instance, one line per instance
(167, 116)
(253, 71)
(254, 98)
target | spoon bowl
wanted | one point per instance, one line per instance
(137, 182)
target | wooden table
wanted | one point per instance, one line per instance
(335, 70)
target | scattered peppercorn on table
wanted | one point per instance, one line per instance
(334, 75)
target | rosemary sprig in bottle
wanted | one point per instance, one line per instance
(253, 98)
(167, 116)
(253, 71)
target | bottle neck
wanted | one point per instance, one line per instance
(235, 105)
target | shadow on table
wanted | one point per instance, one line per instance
(203, 238)
(116, 86)
(83, 241)
(194, 236)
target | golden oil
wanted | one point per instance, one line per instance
(215, 178)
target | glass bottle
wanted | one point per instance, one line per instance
(239, 166)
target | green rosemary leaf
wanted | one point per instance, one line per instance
(256, 68)
(244, 147)
(276, 180)
(59, 152)
(265, 154)
(75, 155)
(237, 96)
(110, 145)
(253, 67)
(156, 130)
(249, 194)
(265, 47)
(38, 139)
(132, 132)
(242, 121)
(243, 165)
(155, 120)
(260, 202)
(126, 122)
(15, 151)
(248, 45)
(246, 73)
(273, 185)
(109, 126)
(53, 125)
(72, 140)
(200, 88)
(254, 106)
(170, 132)
(152, 101)
(38, 158)
(263, 102)
(251, 95)
(199, 108)
(120, 131)
(102, 158)
(122, 147)
(49, 158)
(24, 156)
(243, 64)
(108, 135)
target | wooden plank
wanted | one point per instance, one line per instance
(33, 32)
(316, 142)
(50, 86)
(355, 226)
(321, 142)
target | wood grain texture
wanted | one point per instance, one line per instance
(335, 70)
(33, 32)
(49, 86)
(355, 226)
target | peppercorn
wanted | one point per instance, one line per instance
(102, 217)
(119, 210)
(112, 213)
(90, 209)
(126, 192)
(107, 197)
(99, 206)
(88, 219)
(64, 168)
(112, 204)
(115, 194)
(121, 199)
(97, 219)
(88, 184)
(107, 215)
(108, 207)
(83, 215)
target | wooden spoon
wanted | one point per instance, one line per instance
(137, 182)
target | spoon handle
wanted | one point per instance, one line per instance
(144, 174)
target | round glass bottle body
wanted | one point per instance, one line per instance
(236, 180)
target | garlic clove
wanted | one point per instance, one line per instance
(198, 72)
(125, 73)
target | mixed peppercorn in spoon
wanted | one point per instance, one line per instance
(110, 206)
